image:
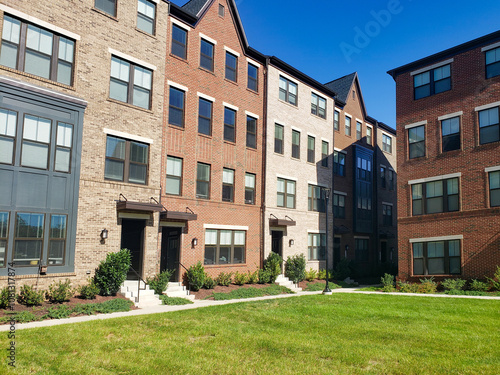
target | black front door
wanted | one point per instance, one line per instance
(336, 251)
(383, 251)
(133, 239)
(170, 251)
(277, 242)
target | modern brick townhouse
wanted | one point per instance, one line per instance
(449, 162)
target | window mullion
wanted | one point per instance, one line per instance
(426, 259)
(22, 47)
(131, 75)
(446, 257)
(217, 252)
(54, 58)
(126, 162)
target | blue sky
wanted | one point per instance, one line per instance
(322, 38)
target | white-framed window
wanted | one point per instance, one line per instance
(225, 246)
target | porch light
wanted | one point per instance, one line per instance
(291, 242)
(104, 234)
(194, 242)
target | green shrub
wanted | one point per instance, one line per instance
(387, 283)
(112, 272)
(29, 296)
(89, 291)
(479, 286)
(407, 287)
(196, 276)
(264, 276)
(342, 270)
(114, 305)
(322, 274)
(5, 295)
(224, 279)
(253, 277)
(25, 317)
(295, 268)
(453, 284)
(273, 264)
(159, 282)
(240, 278)
(251, 292)
(311, 274)
(209, 282)
(495, 281)
(427, 286)
(172, 301)
(84, 309)
(59, 292)
(59, 312)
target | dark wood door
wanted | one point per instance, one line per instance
(170, 251)
(133, 239)
(277, 242)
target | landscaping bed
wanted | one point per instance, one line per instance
(231, 288)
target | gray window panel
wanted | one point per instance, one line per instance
(489, 134)
(27, 252)
(239, 255)
(37, 64)
(8, 55)
(34, 155)
(173, 186)
(290, 201)
(56, 252)
(434, 205)
(210, 254)
(281, 200)
(204, 117)
(436, 266)
(58, 226)
(64, 71)
(139, 152)
(252, 77)
(141, 97)
(3, 251)
(114, 170)
(137, 173)
(6, 150)
(179, 37)
(224, 255)
(115, 148)
(145, 24)
(455, 266)
(118, 90)
(62, 160)
(206, 55)
(108, 6)
(231, 66)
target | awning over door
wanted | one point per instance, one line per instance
(286, 222)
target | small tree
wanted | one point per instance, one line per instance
(295, 268)
(159, 282)
(196, 276)
(273, 264)
(112, 272)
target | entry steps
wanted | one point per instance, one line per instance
(285, 281)
(178, 290)
(146, 298)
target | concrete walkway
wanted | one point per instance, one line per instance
(206, 303)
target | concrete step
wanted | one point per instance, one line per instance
(142, 298)
(178, 290)
(281, 280)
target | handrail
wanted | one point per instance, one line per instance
(139, 279)
(189, 285)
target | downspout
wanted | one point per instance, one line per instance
(376, 170)
(333, 187)
(264, 164)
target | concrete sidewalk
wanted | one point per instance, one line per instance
(206, 303)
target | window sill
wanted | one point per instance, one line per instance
(289, 104)
(319, 117)
(488, 145)
(201, 134)
(114, 18)
(231, 82)
(207, 71)
(277, 154)
(230, 143)
(125, 183)
(253, 91)
(251, 149)
(178, 58)
(128, 105)
(175, 127)
(226, 265)
(41, 79)
(443, 154)
(153, 36)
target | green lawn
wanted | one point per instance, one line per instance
(338, 334)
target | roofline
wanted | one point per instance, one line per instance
(387, 128)
(464, 47)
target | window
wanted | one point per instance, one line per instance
(37, 51)
(227, 185)
(278, 139)
(432, 82)
(369, 135)
(173, 185)
(450, 131)
(222, 10)
(231, 66)
(288, 91)
(204, 116)
(436, 196)
(179, 42)
(359, 130)
(36, 141)
(387, 143)
(348, 126)
(324, 154)
(286, 193)
(339, 206)
(493, 63)
(315, 199)
(224, 246)
(390, 177)
(8, 125)
(28, 239)
(494, 188)
(146, 11)
(207, 55)
(339, 163)
(316, 243)
(416, 140)
(318, 105)
(249, 188)
(229, 125)
(489, 128)
(57, 239)
(251, 132)
(336, 116)
(295, 144)
(130, 83)
(436, 258)
(203, 181)
(383, 172)
(311, 148)
(253, 78)
(387, 214)
(126, 160)
(4, 233)
(362, 246)
(176, 107)
(64, 141)
(108, 6)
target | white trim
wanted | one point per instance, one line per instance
(315, 183)
(254, 63)
(492, 169)
(383, 165)
(174, 224)
(297, 129)
(39, 22)
(490, 47)
(359, 120)
(388, 134)
(326, 140)
(434, 66)
(208, 39)
(282, 123)
(451, 115)
(133, 215)
(312, 135)
(362, 237)
(252, 115)
(177, 86)
(348, 115)
(339, 150)
(209, 98)
(323, 96)
(155, 1)
(226, 227)
(286, 177)
(232, 51)
(316, 231)
(415, 124)
(388, 204)
(230, 106)
(487, 106)
(339, 193)
(289, 78)
(441, 238)
(127, 136)
(338, 110)
(131, 58)
(435, 178)
(369, 126)
(180, 24)
(278, 229)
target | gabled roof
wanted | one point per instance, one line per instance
(195, 7)
(342, 86)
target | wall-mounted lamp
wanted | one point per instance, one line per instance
(291, 242)
(194, 242)
(42, 268)
(104, 235)
(346, 250)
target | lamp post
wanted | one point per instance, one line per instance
(326, 191)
